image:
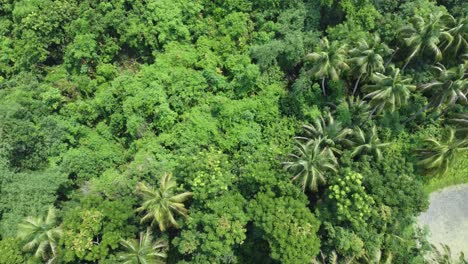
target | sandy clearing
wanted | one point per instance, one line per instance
(447, 217)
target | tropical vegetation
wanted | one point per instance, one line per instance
(174, 131)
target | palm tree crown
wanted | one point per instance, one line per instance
(367, 58)
(41, 235)
(458, 29)
(331, 131)
(389, 92)
(451, 86)
(426, 34)
(329, 61)
(143, 250)
(161, 204)
(309, 164)
(439, 154)
(367, 143)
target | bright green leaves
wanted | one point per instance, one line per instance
(81, 53)
(352, 202)
(288, 227)
(11, 253)
(94, 228)
(214, 230)
(208, 174)
(94, 155)
(24, 194)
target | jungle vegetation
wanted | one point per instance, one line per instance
(214, 131)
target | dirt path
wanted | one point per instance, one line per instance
(447, 218)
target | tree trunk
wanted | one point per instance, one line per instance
(323, 86)
(357, 83)
(370, 115)
(406, 64)
(420, 111)
(391, 57)
(443, 112)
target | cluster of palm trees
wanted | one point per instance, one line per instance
(41, 235)
(315, 154)
(387, 89)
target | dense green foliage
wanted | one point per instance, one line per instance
(226, 131)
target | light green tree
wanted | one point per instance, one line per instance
(425, 34)
(389, 92)
(144, 250)
(331, 131)
(458, 29)
(162, 204)
(450, 87)
(437, 155)
(367, 58)
(310, 162)
(367, 143)
(329, 61)
(40, 235)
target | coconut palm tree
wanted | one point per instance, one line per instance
(41, 235)
(458, 29)
(143, 250)
(450, 87)
(310, 162)
(389, 92)
(161, 205)
(332, 259)
(437, 156)
(331, 131)
(425, 34)
(367, 57)
(460, 121)
(445, 256)
(328, 62)
(376, 258)
(367, 143)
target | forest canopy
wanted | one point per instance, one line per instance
(210, 131)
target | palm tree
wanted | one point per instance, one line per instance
(445, 256)
(367, 57)
(376, 258)
(143, 250)
(458, 29)
(41, 235)
(389, 92)
(437, 156)
(450, 87)
(331, 131)
(367, 143)
(460, 120)
(161, 204)
(332, 259)
(310, 163)
(424, 35)
(329, 61)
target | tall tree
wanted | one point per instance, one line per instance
(367, 143)
(425, 34)
(437, 155)
(331, 131)
(310, 162)
(389, 92)
(367, 57)
(143, 250)
(328, 61)
(458, 29)
(451, 86)
(162, 204)
(41, 235)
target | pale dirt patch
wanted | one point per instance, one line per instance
(447, 218)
